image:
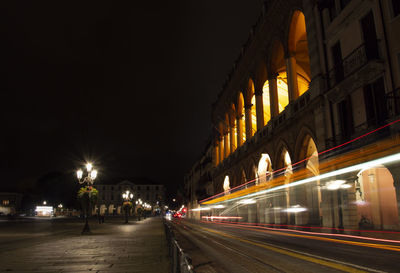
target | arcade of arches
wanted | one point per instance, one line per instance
(288, 77)
(366, 199)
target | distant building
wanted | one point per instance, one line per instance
(110, 194)
(10, 202)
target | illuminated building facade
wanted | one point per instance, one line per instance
(110, 195)
(312, 76)
(10, 203)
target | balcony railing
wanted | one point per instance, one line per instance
(352, 62)
(393, 103)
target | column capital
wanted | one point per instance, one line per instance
(258, 92)
(273, 76)
(248, 106)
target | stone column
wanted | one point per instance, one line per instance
(395, 171)
(259, 109)
(248, 121)
(216, 154)
(232, 137)
(239, 131)
(292, 77)
(273, 95)
(226, 145)
(221, 149)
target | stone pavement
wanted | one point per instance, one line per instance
(113, 247)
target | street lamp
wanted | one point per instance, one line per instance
(89, 180)
(139, 203)
(127, 203)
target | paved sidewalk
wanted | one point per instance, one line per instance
(113, 247)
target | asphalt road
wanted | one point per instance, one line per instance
(216, 247)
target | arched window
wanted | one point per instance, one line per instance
(264, 168)
(278, 67)
(266, 103)
(283, 94)
(253, 115)
(298, 47)
(241, 114)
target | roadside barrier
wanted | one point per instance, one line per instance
(180, 262)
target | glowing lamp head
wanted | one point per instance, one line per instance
(89, 167)
(79, 174)
(93, 174)
(131, 196)
(123, 195)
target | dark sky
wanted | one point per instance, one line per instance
(127, 85)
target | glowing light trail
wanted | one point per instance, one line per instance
(357, 167)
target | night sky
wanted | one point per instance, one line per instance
(126, 85)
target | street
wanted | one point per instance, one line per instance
(56, 245)
(224, 247)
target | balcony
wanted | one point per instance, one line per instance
(358, 58)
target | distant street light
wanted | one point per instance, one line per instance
(139, 210)
(127, 203)
(89, 180)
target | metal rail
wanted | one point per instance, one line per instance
(180, 261)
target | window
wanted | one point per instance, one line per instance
(370, 38)
(148, 188)
(396, 7)
(138, 188)
(375, 104)
(332, 9)
(337, 63)
(112, 188)
(119, 188)
(104, 187)
(6, 202)
(157, 186)
(112, 197)
(398, 60)
(345, 118)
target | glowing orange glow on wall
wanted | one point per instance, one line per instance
(266, 103)
(253, 115)
(234, 140)
(298, 45)
(242, 118)
(283, 94)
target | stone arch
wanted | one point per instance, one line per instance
(278, 77)
(241, 119)
(298, 56)
(376, 199)
(227, 136)
(221, 141)
(264, 168)
(226, 184)
(242, 176)
(251, 103)
(304, 133)
(261, 75)
(309, 195)
(233, 127)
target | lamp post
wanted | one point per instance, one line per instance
(127, 203)
(89, 180)
(139, 203)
